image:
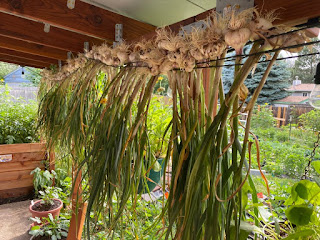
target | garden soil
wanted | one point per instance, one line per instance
(15, 223)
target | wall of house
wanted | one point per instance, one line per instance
(16, 78)
(301, 94)
(20, 87)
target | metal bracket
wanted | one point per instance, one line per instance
(71, 4)
(59, 64)
(188, 28)
(46, 27)
(86, 46)
(118, 34)
(69, 55)
(239, 4)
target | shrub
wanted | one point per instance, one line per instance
(310, 120)
(263, 118)
(17, 119)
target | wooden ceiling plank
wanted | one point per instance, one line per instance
(21, 63)
(31, 31)
(84, 18)
(27, 56)
(291, 12)
(32, 48)
(22, 60)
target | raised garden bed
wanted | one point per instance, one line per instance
(16, 163)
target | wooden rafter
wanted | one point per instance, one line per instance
(27, 56)
(31, 31)
(19, 62)
(22, 60)
(32, 48)
(84, 18)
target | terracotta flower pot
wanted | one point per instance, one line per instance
(55, 212)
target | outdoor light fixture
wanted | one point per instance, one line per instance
(22, 73)
(315, 94)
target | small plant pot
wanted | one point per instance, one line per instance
(40, 214)
(154, 176)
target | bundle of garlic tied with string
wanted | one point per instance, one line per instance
(168, 51)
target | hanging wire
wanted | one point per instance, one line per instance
(256, 53)
(278, 59)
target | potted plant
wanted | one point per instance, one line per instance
(53, 229)
(49, 204)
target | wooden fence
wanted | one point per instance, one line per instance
(16, 163)
(282, 114)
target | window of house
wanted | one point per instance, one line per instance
(304, 94)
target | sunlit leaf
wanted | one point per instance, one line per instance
(299, 214)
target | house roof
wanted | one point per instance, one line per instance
(304, 87)
(9, 74)
(293, 100)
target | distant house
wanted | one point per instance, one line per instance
(300, 94)
(17, 78)
(20, 86)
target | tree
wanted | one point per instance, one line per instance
(276, 83)
(33, 75)
(305, 67)
(6, 68)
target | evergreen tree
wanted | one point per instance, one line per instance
(305, 67)
(274, 88)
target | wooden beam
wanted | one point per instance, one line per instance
(27, 56)
(84, 18)
(23, 62)
(32, 48)
(290, 12)
(31, 31)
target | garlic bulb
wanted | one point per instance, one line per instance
(237, 39)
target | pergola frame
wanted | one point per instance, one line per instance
(23, 40)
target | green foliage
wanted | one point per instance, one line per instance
(138, 218)
(49, 194)
(263, 118)
(42, 179)
(17, 119)
(161, 87)
(6, 68)
(310, 120)
(305, 67)
(276, 82)
(54, 228)
(159, 118)
(33, 75)
(273, 89)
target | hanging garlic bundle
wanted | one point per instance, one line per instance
(98, 106)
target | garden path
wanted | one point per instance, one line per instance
(14, 221)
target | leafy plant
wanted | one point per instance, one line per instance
(159, 118)
(53, 228)
(49, 194)
(89, 106)
(311, 120)
(18, 119)
(263, 118)
(42, 179)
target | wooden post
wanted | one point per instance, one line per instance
(284, 116)
(52, 160)
(278, 117)
(78, 214)
(259, 108)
